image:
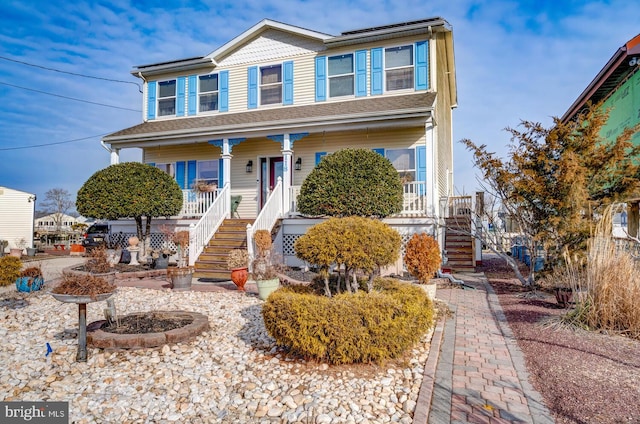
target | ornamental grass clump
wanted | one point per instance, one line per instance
(422, 257)
(349, 328)
(606, 285)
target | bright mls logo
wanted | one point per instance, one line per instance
(34, 412)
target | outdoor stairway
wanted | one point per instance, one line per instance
(212, 262)
(459, 247)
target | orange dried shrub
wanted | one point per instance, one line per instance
(422, 257)
(263, 241)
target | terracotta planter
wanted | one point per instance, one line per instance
(239, 277)
(15, 252)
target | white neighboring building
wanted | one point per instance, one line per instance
(16, 216)
(48, 223)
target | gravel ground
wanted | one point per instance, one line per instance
(584, 377)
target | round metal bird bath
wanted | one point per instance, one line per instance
(82, 317)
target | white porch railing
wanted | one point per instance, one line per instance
(200, 233)
(270, 213)
(456, 206)
(414, 200)
(196, 203)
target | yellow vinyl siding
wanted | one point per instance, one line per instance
(444, 158)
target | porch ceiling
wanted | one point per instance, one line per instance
(371, 111)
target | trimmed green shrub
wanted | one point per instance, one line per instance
(422, 257)
(352, 182)
(10, 267)
(358, 244)
(347, 329)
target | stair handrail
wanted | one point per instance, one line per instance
(201, 233)
(272, 210)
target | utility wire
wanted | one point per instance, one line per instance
(69, 98)
(71, 73)
(51, 144)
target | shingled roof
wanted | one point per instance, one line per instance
(368, 109)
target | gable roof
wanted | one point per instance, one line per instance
(615, 72)
(358, 113)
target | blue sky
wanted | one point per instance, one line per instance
(516, 60)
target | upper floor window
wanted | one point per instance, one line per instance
(398, 66)
(167, 98)
(404, 161)
(341, 75)
(271, 85)
(208, 92)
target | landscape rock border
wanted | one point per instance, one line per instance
(98, 338)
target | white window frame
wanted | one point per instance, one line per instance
(270, 85)
(351, 74)
(412, 66)
(166, 98)
(411, 171)
(216, 179)
(208, 93)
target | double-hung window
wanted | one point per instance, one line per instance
(404, 161)
(398, 67)
(207, 171)
(341, 75)
(208, 93)
(167, 98)
(271, 85)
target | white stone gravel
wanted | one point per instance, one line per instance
(231, 374)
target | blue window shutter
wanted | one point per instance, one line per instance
(361, 73)
(223, 79)
(287, 78)
(220, 173)
(182, 86)
(319, 156)
(180, 174)
(191, 173)
(193, 95)
(321, 78)
(151, 164)
(379, 151)
(422, 65)
(252, 89)
(151, 99)
(421, 165)
(376, 71)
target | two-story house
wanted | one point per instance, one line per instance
(256, 115)
(617, 85)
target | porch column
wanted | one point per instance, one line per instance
(431, 174)
(115, 156)
(287, 176)
(226, 169)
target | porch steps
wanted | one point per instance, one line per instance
(212, 262)
(459, 246)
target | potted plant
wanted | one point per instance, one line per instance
(30, 279)
(10, 267)
(422, 259)
(238, 263)
(3, 245)
(265, 271)
(160, 258)
(20, 245)
(181, 275)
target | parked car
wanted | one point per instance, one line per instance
(96, 235)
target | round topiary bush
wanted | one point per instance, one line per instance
(352, 182)
(422, 257)
(349, 328)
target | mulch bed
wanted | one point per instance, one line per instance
(584, 377)
(144, 323)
